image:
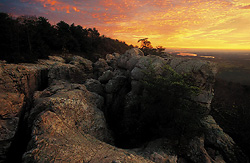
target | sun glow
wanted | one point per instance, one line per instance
(220, 24)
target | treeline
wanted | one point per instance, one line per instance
(28, 38)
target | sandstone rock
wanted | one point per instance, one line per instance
(94, 85)
(57, 59)
(215, 136)
(75, 105)
(17, 85)
(130, 58)
(66, 127)
(109, 57)
(106, 76)
(87, 64)
(197, 152)
(117, 55)
(136, 87)
(53, 140)
(10, 109)
(66, 72)
(112, 60)
(144, 64)
(67, 122)
(100, 66)
(158, 151)
(115, 84)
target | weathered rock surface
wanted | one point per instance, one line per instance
(68, 119)
(215, 136)
(158, 151)
(67, 127)
(203, 72)
(100, 66)
(94, 85)
(17, 85)
(18, 82)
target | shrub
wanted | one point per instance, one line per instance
(168, 105)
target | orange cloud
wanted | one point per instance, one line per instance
(55, 5)
(246, 7)
(170, 23)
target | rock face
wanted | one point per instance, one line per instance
(76, 110)
(66, 126)
(17, 85)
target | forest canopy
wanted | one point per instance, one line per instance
(28, 38)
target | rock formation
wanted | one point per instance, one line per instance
(78, 111)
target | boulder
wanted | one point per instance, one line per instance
(109, 57)
(100, 66)
(94, 85)
(115, 84)
(130, 58)
(106, 76)
(56, 59)
(67, 126)
(158, 151)
(146, 63)
(84, 63)
(215, 136)
(66, 72)
(75, 105)
(204, 74)
(197, 152)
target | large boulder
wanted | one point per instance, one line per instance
(112, 59)
(94, 85)
(66, 72)
(215, 136)
(115, 84)
(67, 126)
(100, 66)
(85, 64)
(106, 76)
(75, 105)
(204, 74)
(130, 58)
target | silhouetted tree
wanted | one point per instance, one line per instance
(145, 43)
(9, 40)
(28, 38)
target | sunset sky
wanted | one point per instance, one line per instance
(215, 24)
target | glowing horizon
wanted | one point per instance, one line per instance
(199, 24)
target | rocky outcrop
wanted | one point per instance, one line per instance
(66, 124)
(17, 85)
(18, 82)
(215, 136)
(77, 71)
(55, 141)
(76, 111)
(159, 151)
(132, 66)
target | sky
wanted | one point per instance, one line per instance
(207, 24)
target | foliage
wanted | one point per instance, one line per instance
(28, 38)
(148, 49)
(145, 43)
(168, 105)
